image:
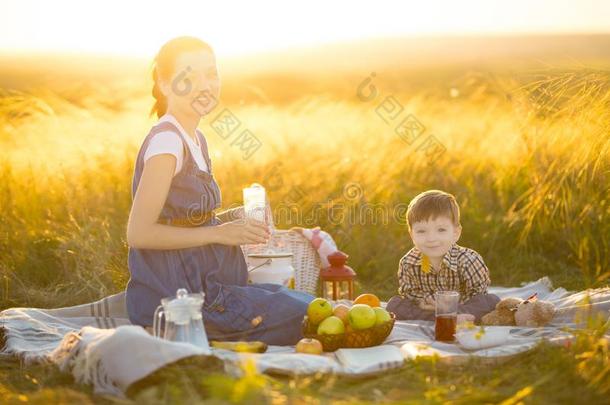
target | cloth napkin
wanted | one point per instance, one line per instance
(320, 240)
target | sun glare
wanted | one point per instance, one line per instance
(138, 28)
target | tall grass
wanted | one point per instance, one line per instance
(527, 158)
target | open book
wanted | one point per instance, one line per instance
(370, 359)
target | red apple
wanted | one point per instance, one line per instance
(341, 312)
(309, 346)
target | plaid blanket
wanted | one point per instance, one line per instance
(97, 344)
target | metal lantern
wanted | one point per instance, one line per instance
(338, 278)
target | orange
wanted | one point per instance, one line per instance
(368, 299)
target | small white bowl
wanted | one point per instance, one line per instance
(482, 337)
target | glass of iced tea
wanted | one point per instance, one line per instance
(446, 315)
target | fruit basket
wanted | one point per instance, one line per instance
(354, 338)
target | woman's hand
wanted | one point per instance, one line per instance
(243, 232)
(231, 214)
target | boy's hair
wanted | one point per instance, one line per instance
(432, 204)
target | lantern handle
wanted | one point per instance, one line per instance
(260, 265)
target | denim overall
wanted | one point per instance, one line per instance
(233, 309)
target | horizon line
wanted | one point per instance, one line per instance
(59, 52)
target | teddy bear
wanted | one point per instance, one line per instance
(515, 311)
(533, 313)
(504, 314)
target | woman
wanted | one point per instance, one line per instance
(175, 238)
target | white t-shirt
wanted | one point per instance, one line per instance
(170, 143)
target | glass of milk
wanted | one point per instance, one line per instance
(255, 202)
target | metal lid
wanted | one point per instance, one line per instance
(270, 255)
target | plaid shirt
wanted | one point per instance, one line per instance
(462, 270)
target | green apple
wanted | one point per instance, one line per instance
(331, 326)
(382, 315)
(361, 316)
(318, 310)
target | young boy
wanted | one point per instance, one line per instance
(437, 263)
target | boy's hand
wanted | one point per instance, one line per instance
(428, 303)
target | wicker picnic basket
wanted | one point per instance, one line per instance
(305, 259)
(356, 338)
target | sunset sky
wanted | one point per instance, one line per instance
(139, 28)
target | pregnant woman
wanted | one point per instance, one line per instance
(176, 239)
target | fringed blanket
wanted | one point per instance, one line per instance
(97, 344)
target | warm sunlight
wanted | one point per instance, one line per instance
(314, 202)
(138, 28)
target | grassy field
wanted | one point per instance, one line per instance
(526, 152)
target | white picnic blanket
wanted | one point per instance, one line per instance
(97, 344)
